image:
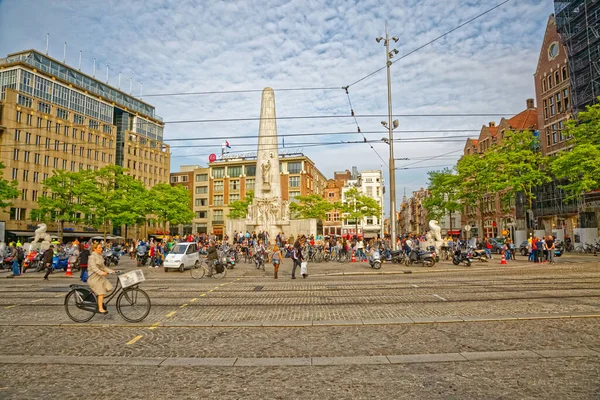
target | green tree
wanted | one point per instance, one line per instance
(310, 206)
(520, 166)
(477, 177)
(239, 208)
(106, 197)
(8, 190)
(580, 167)
(443, 195)
(170, 204)
(62, 202)
(357, 206)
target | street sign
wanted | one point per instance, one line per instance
(467, 228)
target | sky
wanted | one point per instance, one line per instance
(174, 47)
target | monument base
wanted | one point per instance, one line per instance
(294, 227)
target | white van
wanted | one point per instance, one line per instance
(182, 255)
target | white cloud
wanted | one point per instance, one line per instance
(185, 46)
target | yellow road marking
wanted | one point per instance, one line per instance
(171, 313)
(203, 294)
(194, 299)
(4, 388)
(211, 290)
(35, 301)
(183, 305)
(135, 339)
(14, 305)
(59, 295)
(154, 325)
(222, 284)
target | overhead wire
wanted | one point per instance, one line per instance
(432, 41)
(239, 91)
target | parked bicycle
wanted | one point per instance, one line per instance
(133, 304)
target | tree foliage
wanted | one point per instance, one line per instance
(8, 190)
(311, 206)
(170, 204)
(580, 166)
(443, 196)
(520, 165)
(239, 208)
(62, 203)
(358, 206)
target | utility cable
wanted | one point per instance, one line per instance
(431, 41)
(239, 91)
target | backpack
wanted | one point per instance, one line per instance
(20, 254)
(294, 254)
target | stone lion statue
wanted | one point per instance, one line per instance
(41, 235)
(436, 235)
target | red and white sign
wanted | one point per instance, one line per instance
(212, 158)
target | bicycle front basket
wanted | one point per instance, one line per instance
(132, 278)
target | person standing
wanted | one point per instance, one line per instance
(84, 255)
(296, 257)
(47, 261)
(551, 247)
(13, 254)
(97, 280)
(276, 259)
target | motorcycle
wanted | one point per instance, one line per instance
(375, 260)
(462, 257)
(31, 259)
(477, 255)
(426, 258)
(142, 255)
(60, 261)
(232, 258)
(111, 256)
(259, 260)
(397, 256)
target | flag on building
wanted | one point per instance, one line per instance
(227, 145)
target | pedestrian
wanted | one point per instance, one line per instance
(488, 249)
(212, 256)
(551, 247)
(97, 280)
(84, 255)
(296, 257)
(276, 259)
(14, 259)
(47, 261)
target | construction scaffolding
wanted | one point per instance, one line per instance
(578, 23)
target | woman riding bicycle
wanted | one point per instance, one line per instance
(97, 273)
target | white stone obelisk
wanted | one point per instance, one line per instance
(268, 211)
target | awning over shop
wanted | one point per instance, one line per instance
(22, 233)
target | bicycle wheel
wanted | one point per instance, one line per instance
(133, 304)
(73, 301)
(221, 275)
(197, 271)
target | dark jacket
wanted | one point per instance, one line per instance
(83, 258)
(212, 253)
(47, 257)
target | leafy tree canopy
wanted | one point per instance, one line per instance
(8, 190)
(311, 206)
(239, 208)
(170, 204)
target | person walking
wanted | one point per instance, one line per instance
(13, 255)
(97, 280)
(296, 257)
(47, 261)
(276, 259)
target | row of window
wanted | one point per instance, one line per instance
(91, 138)
(554, 133)
(250, 170)
(554, 79)
(556, 103)
(144, 153)
(140, 166)
(108, 129)
(91, 154)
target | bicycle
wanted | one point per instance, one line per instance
(133, 304)
(199, 270)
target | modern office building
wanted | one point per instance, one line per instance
(228, 180)
(578, 24)
(54, 117)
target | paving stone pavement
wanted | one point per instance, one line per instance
(522, 331)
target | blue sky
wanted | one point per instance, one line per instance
(190, 46)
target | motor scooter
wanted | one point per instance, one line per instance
(462, 257)
(60, 261)
(142, 255)
(375, 260)
(426, 258)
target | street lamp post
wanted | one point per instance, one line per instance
(390, 126)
